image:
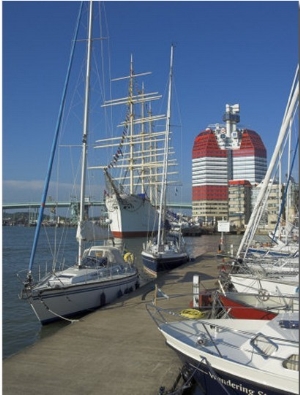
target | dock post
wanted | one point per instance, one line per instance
(196, 290)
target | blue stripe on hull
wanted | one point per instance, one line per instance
(269, 252)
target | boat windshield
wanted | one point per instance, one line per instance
(94, 261)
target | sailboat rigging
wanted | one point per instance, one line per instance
(100, 274)
(168, 251)
(134, 174)
(293, 102)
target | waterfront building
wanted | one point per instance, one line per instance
(221, 153)
(239, 202)
(279, 204)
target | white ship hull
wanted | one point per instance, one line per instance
(131, 216)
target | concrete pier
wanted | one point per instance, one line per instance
(113, 351)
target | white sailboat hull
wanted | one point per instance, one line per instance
(131, 216)
(101, 274)
(61, 302)
(265, 286)
(276, 266)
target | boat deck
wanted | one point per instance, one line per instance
(115, 350)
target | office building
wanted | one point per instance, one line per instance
(224, 152)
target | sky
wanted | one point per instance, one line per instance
(225, 53)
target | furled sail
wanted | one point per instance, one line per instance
(89, 231)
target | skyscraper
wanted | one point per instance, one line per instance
(224, 152)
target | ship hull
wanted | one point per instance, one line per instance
(131, 216)
(54, 304)
(160, 263)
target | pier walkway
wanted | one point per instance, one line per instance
(114, 351)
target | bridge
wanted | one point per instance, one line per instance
(52, 204)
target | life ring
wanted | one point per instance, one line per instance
(192, 313)
(128, 257)
(263, 295)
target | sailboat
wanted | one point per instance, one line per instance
(268, 275)
(264, 192)
(134, 173)
(168, 250)
(100, 275)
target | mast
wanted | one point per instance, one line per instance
(85, 131)
(134, 160)
(162, 206)
(263, 193)
(52, 154)
(131, 115)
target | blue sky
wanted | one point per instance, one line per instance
(225, 53)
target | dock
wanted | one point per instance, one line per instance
(114, 350)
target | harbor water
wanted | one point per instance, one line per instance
(20, 326)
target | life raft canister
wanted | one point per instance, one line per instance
(192, 313)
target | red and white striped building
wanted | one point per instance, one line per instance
(224, 152)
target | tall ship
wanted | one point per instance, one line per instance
(133, 176)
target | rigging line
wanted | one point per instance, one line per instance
(54, 144)
(286, 190)
(52, 312)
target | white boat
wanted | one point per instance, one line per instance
(274, 266)
(167, 251)
(278, 250)
(265, 285)
(100, 278)
(135, 170)
(236, 356)
(161, 256)
(284, 240)
(275, 163)
(100, 275)
(281, 245)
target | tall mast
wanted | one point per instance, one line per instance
(162, 205)
(131, 125)
(52, 154)
(85, 131)
(263, 193)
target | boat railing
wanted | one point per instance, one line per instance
(39, 272)
(162, 315)
(209, 334)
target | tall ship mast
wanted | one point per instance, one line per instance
(134, 174)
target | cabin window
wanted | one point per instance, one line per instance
(263, 345)
(292, 362)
